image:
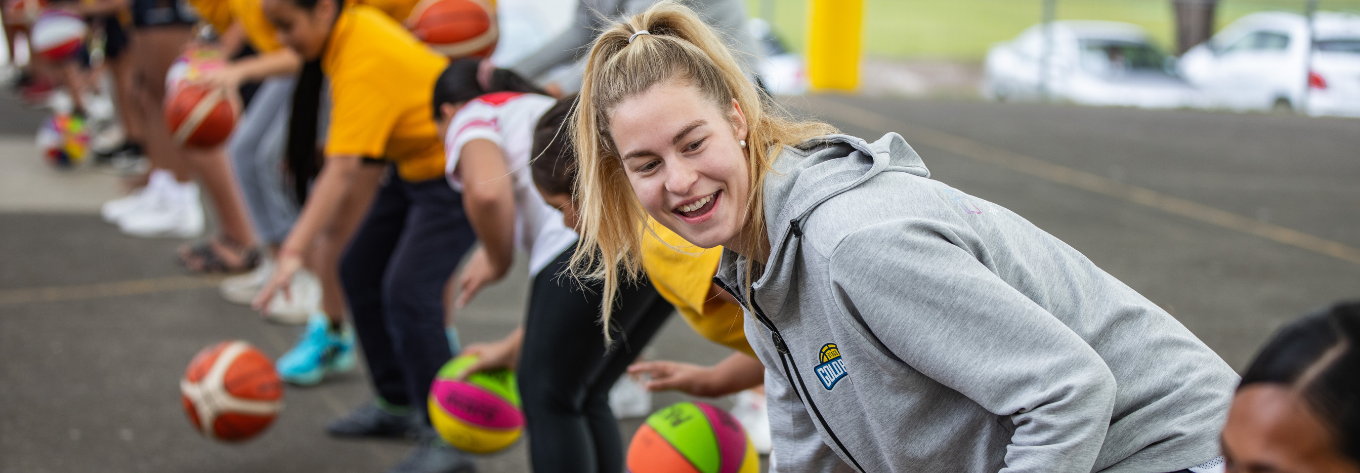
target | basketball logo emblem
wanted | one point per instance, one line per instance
(832, 368)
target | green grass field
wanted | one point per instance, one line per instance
(964, 29)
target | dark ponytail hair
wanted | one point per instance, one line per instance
(304, 160)
(302, 153)
(459, 83)
(553, 162)
(1317, 356)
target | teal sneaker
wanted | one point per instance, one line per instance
(318, 353)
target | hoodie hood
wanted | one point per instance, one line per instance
(803, 177)
(818, 169)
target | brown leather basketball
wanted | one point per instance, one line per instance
(199, 116)
(231, 391)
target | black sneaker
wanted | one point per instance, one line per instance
(434, 455)
(370, 420)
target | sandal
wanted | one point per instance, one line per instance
(203, 257)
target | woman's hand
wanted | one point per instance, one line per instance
(288, 263)
(499, 354)
(690, 379)
(478, 273)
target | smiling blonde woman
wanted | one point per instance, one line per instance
(907, 325)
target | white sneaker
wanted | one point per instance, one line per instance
(178, 214)
(241, 289)
(753, 414)
(114, 210)
(304, 298)
(629, 398)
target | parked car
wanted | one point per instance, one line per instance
(782, 72)
(1090, 63)
(1263, 61)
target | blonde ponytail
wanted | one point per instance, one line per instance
(622, 64)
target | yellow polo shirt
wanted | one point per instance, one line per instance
(396, 9)
(382, 81)
(683, 273)
(216, 12)
(222, 13)
(259, 31)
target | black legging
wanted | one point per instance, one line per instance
(565, 370)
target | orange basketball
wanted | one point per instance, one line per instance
(199, 116)
(455, 28)
(231, 391)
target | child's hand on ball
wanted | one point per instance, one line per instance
(503, 353)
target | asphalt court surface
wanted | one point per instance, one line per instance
(96, 328)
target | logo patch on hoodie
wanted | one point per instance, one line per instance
(967, 204)
(832, 368)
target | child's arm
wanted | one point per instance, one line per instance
(328, 194)
(276, 63)
(736, 373)
(231, 40)
(489, 201)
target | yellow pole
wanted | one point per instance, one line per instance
(834, 43)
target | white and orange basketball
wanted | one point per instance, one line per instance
(58, 35)
(200, 116)
(231, 391)
(455, 28)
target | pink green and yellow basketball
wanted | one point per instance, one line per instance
(479, 415)
(692, 437)
(64, 140)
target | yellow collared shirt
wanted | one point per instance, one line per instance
(222, 13)
(215, 12)
(382, 80)
(259, 31)
(683, 273)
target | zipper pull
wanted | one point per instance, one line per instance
(779, 343)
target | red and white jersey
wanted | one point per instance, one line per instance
(508, 119)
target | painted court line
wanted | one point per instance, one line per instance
(1083, 180)
(101, 290)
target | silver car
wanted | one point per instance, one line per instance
(1087, 62)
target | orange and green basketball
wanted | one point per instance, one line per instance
(692, 437)
(479, 415)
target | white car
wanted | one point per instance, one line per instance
(1262, 62)
(1091, 63)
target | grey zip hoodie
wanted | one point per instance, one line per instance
(908, 327)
